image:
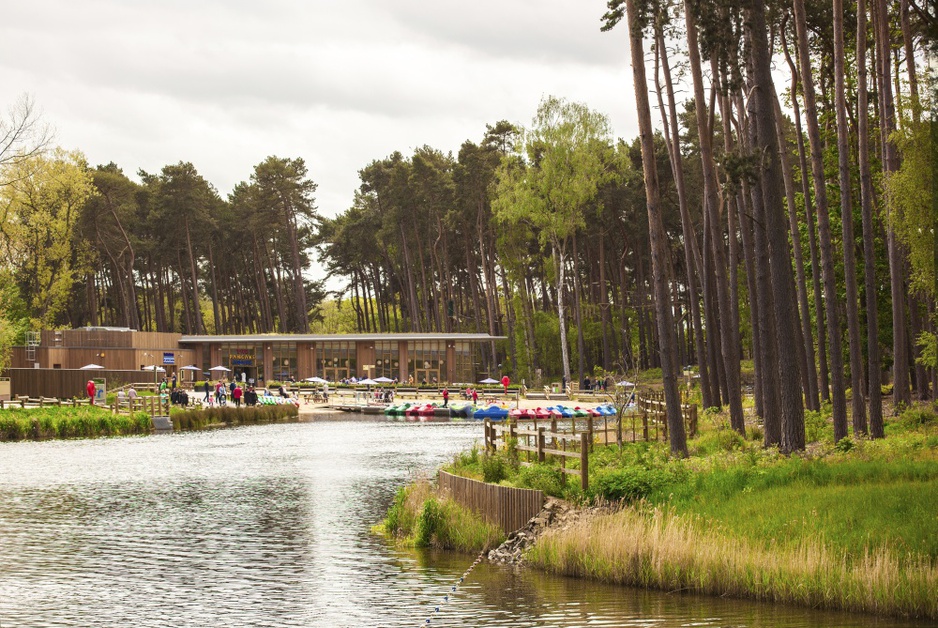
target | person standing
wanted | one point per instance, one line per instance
(91, 391)
(325, 392)
(174, 381)
(445, 396)
(236, 395)
(475, 396)
(208, 389)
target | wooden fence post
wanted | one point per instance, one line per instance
(584, 463)
(540, 444)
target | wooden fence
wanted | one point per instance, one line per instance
(655, 415)
(526, 436)
(66, 383)
(509, 508)
(153, 405)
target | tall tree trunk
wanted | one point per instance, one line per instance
(604, 304)
(766, 296)
(578, 312)
(656, 235)
(846, 219)
(198, 325)
(729, 334)
(831, 300)
(900, 393)
(904, 20)
(824, 383)
(806, 347)
(558, 249)
(792, 411)
(691, 254)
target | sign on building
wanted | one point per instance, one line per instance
(169, 358)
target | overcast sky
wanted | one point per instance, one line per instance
(224, 84)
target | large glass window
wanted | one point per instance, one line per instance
(387, 360)
(427, 361)
(464, 369)
(284, 361)
(337, 360)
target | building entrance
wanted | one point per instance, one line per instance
(245, 374)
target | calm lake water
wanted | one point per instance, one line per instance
(269, 526)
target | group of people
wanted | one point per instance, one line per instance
(238, 394)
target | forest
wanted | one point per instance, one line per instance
(779, 216)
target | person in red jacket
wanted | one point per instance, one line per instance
(445, 396)
(91, 390)
(236, 395)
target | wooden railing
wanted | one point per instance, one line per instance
(508, 508)
(154, 405)
(563, 444)
(655, 416)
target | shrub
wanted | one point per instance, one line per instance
(817, 425)
(542, 477)
(719, 440)
(494, 468)
(629, 484)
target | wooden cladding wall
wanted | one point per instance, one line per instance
(509, 508)
(67, 383)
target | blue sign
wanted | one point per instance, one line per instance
(242, 362)
(169, 358)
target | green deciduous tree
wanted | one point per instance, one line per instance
(555, 171)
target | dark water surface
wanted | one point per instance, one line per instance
(269, 526)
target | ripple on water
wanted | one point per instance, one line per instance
(269, 526)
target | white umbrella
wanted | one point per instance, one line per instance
(384, 380)
(153, 367)
(367, 382)
(624, 383)
(219, 368)
(489, 380)
(90, 367)
(317, 380)
(189, 368)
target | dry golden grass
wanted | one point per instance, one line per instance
(652, 548)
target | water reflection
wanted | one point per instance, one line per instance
(269, 526)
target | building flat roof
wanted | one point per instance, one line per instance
(338, 337)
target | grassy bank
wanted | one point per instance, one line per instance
(229, 416)
(94, 421)
(80, 422)
(422, 518)
(661, 549)
(851, 526)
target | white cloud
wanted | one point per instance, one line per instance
(225, 84)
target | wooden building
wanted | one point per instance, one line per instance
(417, 357)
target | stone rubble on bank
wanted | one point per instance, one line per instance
(556, 514)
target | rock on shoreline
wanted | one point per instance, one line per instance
(556, 514)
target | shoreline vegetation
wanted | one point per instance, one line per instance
(95, 421)
(848, 526)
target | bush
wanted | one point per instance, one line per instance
(719, 440)
(817, 425)
(629, 484)
(542, 477)
(494, 468)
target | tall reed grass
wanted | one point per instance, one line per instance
(649, 547)
(229, 415)
(79, 422)
(422, 518)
